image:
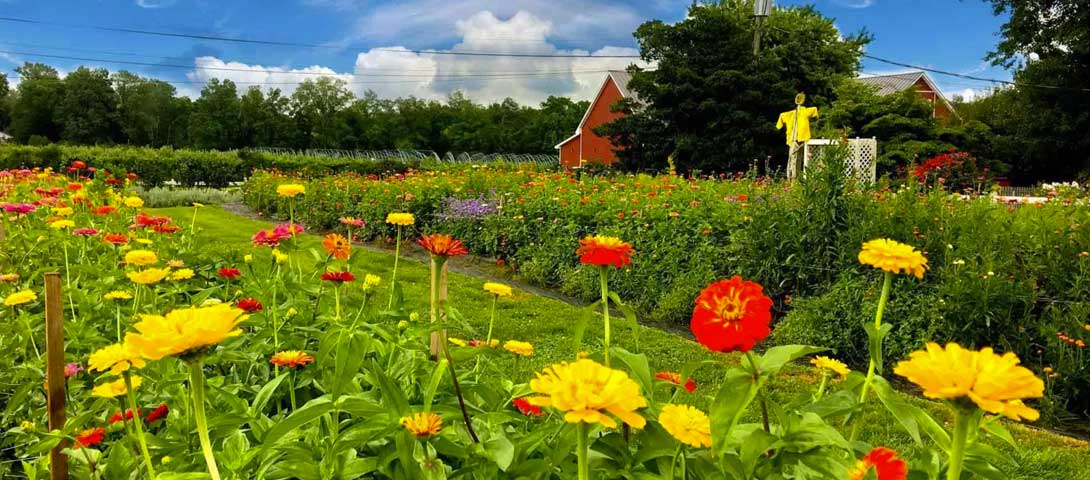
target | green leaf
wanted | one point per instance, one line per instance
(874, 346)
(391, 392)
(896, 407)
(263, 395)
(581, 327)
(307, 413)
(500, 450)
(637, 365)
(735, 394)
(776, 357)
(433, 384)
(994, 426)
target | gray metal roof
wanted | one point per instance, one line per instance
(621, 78)
(889, 84)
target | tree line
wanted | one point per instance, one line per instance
(92, 106)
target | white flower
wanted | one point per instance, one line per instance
(959, 262)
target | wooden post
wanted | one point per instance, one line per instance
(54, 369)
(437, 338)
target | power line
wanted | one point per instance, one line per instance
(300, 44)
(971, 77)
(306, 72)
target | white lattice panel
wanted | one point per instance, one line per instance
(862, 156)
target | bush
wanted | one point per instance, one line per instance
(179, 197)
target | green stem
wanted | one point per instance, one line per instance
(137, 424)
(957, 448)
(337, 302)
(873, 364)
(118, 319)
(291, 388)
(673, 462)
(603, 280)
(393, 275)
(821, 386)
(581, 451)
(757, 382)
(196, 378)
(30, 333)
(491, 320)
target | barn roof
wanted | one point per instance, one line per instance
(899, 82)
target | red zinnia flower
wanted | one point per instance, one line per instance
(229, 273)
(79, 165)
(442, 245)
(116, 238)
(159, 413)
(166, 228)
(85, 232)
(603, 251)
(143, 220)
(268, 238)
(250, 305)
(339, 277)
(104, 210)
(731, 315)
(90, 437)
(117, 416)
(75, 187)
(885, 463)
(675, 378)
(526, 408)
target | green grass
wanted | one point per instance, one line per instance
(548, 323)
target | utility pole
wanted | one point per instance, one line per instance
(761, 10)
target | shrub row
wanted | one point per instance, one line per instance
(1012, 277)
(188, 167)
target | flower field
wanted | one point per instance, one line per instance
(203, 344)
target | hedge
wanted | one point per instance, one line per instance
(215, 169)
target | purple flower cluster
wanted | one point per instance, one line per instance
(467, 208)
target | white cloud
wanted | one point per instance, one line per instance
(485, 79)
(155, 3)
(286, 79)
(854, 3)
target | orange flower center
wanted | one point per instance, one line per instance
(731, 307)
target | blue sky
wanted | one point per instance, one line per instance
(360, 39)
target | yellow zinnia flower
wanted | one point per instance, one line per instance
(997, 384)
(687, 424)
(831, 364)
(893, 257)
(186, 330)
(497, 289)
(279, 257)
(141, 258)
(403, 219)
(422, 425)
(62, 224)
(589, 392)
(182, 274)
(522, 349)
(134, 202)
(290, 190)
(20, 297)
(370, 282)
(118, 295)
(63, 211)
(457, 341)
(175, 264)
(150, 276)
(115, 388)
(116, 358)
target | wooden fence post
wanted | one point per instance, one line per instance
(54, 369)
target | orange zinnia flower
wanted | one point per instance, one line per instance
(337, 246)
(603, 251)
(675, 378)
(442, 245)
(731, 315)
(116, 238)
(291, 359)
(90, 437)
(885, 463)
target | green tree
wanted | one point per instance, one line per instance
(213, 123)
(40, 91)
(5, 102)
(710, 102)
(147, 109)
(87, 112)
(316, 107)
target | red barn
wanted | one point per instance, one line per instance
(918, 82)
(585, 146)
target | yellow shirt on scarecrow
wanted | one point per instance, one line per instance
(788, 120)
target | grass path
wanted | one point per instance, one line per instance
(547, 323)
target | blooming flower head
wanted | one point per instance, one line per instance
(115, 388)
(731, 315)
(481, 343)
(118, 295)
(279, 257)
(175, 263)
(229, 273)
(159, 413)
(290, 190)
(526, 408)
(117, 417)
(115, 238)
(287, 230)
(182, 274)
(104, 210)
(589, 392)
(268, 238)
(90, 437)
(687, 424)
(457, 341)
(250, 305)
(62, 224)
(370, 282)
(185, 331)
(400, 219)
(831, 365)
(423, 424)
(19, 298)
(116, 358)
(442, 245)
(9, 277)
(995, 383)
(338, 277)
(291, 359)
(141, 257)
(71, 369)
(351, 222)
(134, 202)
(497, 289)
(604, 251)
(63, 211)
(337, 246)
(675, 378)
(150, 276)
(885, 463)
(85, 232)
(522, 349)
(893, 257)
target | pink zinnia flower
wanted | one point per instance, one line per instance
(85, 232)
(72, 369)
